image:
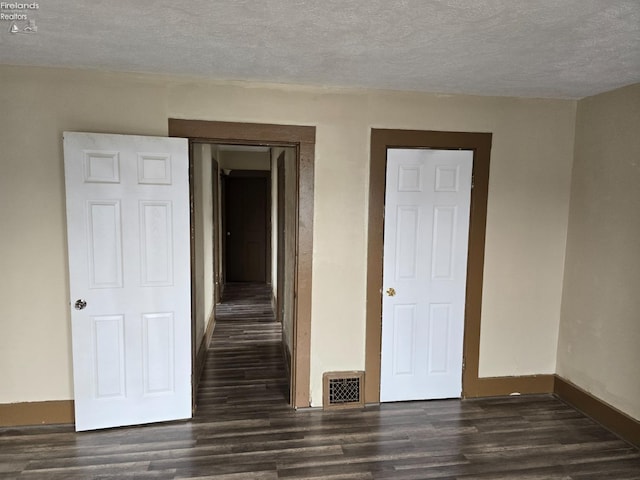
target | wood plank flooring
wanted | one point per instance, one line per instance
(243, 429)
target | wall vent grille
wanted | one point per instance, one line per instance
(343, 390)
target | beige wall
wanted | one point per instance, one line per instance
(234, 160)
(289, 237)
(207, 230)
(527, 213)
(599, 345)
(203, 215)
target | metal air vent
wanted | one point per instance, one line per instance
(343, 390)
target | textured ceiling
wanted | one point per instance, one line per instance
(541, 48)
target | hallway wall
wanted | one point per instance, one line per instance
(204, 248)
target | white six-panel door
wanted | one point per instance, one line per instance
(425, 261)
(128, 239)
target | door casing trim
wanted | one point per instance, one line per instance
(303, 138)
(381, 140)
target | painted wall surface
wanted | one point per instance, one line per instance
(207, 233)
(289, 193)
(234, 160)
(203, 226)
(527, 212)
(599, 344)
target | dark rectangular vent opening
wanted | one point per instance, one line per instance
(343, 390)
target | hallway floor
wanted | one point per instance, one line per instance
(244, 429)
(244, 374)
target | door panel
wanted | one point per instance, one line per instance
(246, 222)
(128, 239)
(108, 362)
(425, 254)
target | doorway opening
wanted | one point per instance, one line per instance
(291, 147)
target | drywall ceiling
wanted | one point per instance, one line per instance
(539, 48)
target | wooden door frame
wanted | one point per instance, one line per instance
(196, 366)
(223, 235)
(215, 193)
(303, 138)
(280, 208)
(381, 140)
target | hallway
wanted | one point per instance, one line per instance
(244, 375)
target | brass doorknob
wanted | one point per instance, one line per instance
(391, 291)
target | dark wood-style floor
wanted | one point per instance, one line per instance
(243, 429)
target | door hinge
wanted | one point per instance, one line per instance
(473, 181)
(464, 364)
